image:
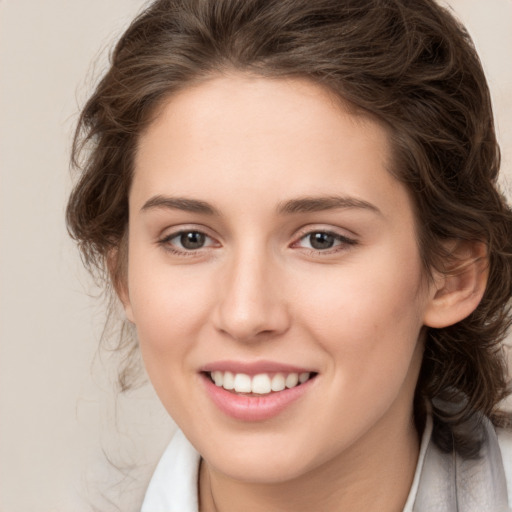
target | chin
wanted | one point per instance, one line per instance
(261, 469)
(267, 460)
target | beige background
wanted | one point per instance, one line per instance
(60, 420)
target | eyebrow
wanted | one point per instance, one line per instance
(317, 204)
(180, 203)
(293, 206)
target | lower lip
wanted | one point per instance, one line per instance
(254, 408)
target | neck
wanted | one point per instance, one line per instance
(373, 475)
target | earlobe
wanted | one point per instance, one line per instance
(458, 291)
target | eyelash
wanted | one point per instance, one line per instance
(343, 242)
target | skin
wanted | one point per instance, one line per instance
(256, 290)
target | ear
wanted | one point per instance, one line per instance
(459, 289)
(117, 263)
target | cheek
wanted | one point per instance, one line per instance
(364, 299)
(369, 327)
(170, 308)
(368, 313)
(169, 304)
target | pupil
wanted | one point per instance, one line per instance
(321, 240)
(192, 240)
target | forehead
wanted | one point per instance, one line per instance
(277, 138)
(253, 105)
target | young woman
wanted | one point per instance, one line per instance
(296, 203)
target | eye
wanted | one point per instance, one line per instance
(190, 240)
(323, 241)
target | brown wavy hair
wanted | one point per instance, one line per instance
(409, 63)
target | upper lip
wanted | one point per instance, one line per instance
(253, 367)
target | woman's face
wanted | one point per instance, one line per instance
(268, 238)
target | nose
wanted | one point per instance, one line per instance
(251, 303)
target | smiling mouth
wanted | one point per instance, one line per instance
(260, 384)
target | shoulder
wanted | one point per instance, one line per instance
(505, 442)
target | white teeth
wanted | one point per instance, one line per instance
(303, 377)
(292, 380)
(260, 384)
(229, 381)
(218, 378)
(242, 383)
(278, 382)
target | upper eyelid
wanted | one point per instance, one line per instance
(171, 231)
(341, 238)
(331, 230)
(176, 234)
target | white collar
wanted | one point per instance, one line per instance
(173, 486)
